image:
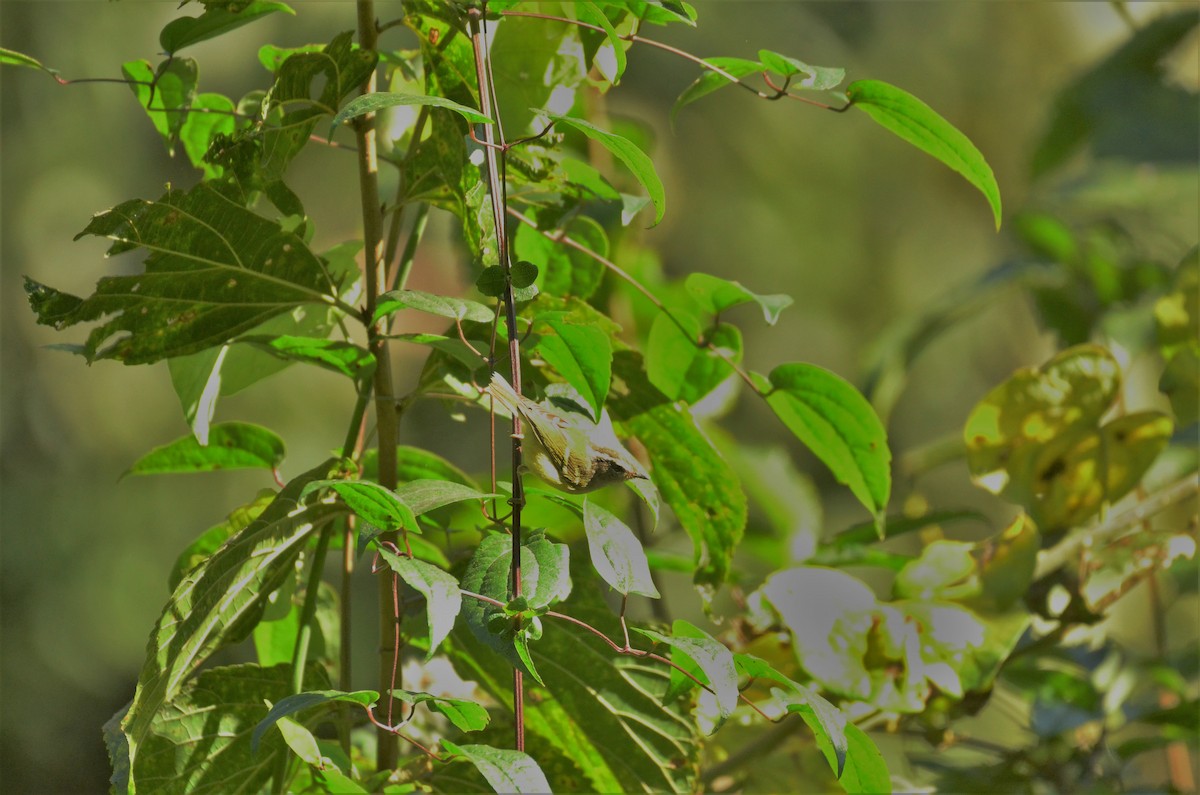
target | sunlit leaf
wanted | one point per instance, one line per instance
(14, 58)
(710, 81)
(638, 163)
(443, 599)
(341, 357)
(291, 704)
(440, 305)
(817, 78)
(371, 103)
(504, 769)
(374, 504)
(582, 354)
(165, 93)
(616, 552)
(715, 295)
(711, 657)
(679, 367)
(231, 445)
(915, 122)
(466, 715)
(215, 21)
(839, 426)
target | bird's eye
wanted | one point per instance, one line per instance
(615, 467)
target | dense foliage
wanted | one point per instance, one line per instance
(890, 627)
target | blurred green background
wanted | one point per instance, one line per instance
(861, 229)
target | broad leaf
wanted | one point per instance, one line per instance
(679, 367)
(371, 103)
(695, 481)
(219, 602)
(211, 539)
(565, 271)
(545, 579)
(915, 122)
(505, 770)
(638, 163)
(440, 305)
(216, 270)
(616, 552)
(231, 445)
(341, 357)
(210, 115)
(165, 93)
(374, 504)
(715, 295)
(215, 21)
(839, 426)
(201, 740)
(711, 658)
(466, 715)
(443, 599)
(582, 354)
(817, 78)
(424, 495)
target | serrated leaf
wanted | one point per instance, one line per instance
(215, 21)
(372, 103)
(216, 270)
(466, 715)
(207, 612)
(201, 739)
(638, 163)
(616, 552)
(695, 481)
(443, 599)
(715, 295)
(581, 354)
(164, 93)
(710, 81)
(915, 122)
(505, 770)
(711, 657)
(231, 445)
(545, 579)
(374, 504)
(839, 426)
(291, 704)
(440, 305)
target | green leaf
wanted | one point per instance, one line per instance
(638, 163)
(14, 58)
(466, 715)
(710, 81)
(211, 539)
(695, 481)
(219, 602)
(341, 357)
(165, 93)
(505, 770)
(443, 599)
(565, 271)
(839, 426)
(209, 116)
(1180, 382)
(866, 771)
(545, 579)
(613, 48)
(428, 494)
(186, 752)
(524, 274)
(374, 504)
(372, 103)
(231, 445)
(715, 295)
(819, 78)
(215, 21)
(492, 282)
(827, 722)
(301, 741)
(679, 367)
(291, 704)
(616, 552)
(605, 715)
(915, 122)
(215, 270)
(711, 657)
(581, 354)
(440, 305)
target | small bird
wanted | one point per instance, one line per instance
(571, 454)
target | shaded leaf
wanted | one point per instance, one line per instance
(341, 357)
(371, 103)
(374, 504)
(710, 81)
(715, 295)
(215, 21)
(14, 58)
(291, 704)
(915, 122)
(710, 657)
(440, 305)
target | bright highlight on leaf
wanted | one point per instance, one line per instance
(443, 599)
(505, 770)
(912, 120)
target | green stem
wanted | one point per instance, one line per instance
(309, 611)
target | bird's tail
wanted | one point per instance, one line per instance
(504, 393)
